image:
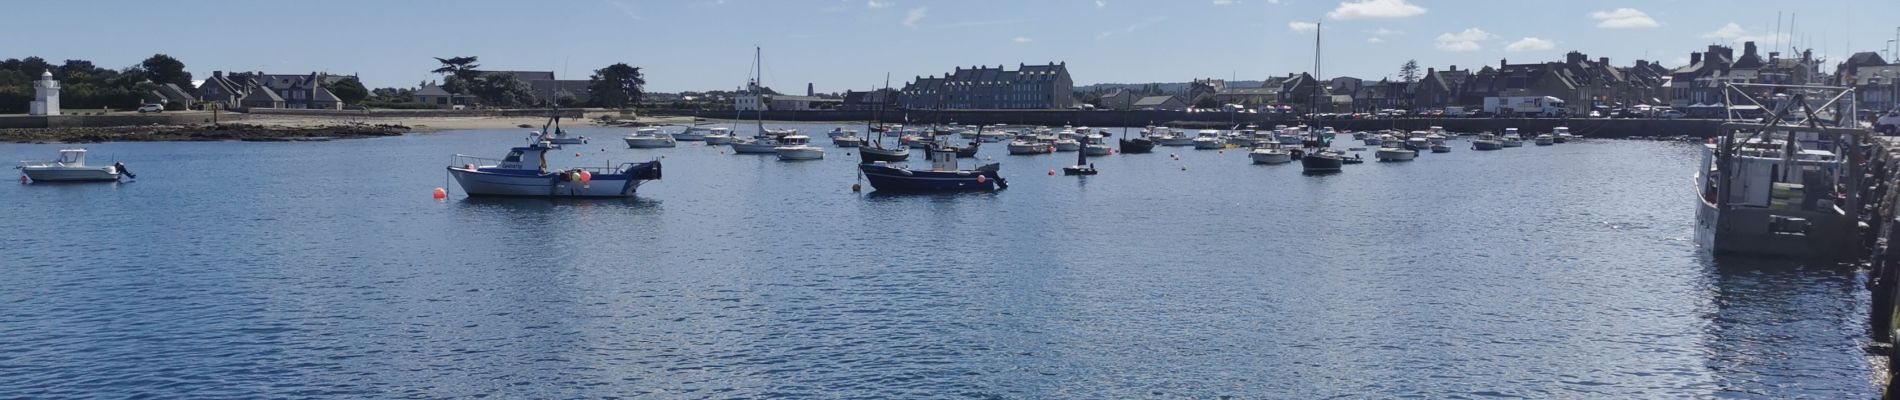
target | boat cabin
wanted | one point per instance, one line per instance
(794, 140)
(943, 160)
(534, 155)
(72, 157)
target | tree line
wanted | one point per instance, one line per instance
(84, 85)
(614, 86)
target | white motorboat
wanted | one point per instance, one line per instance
(798, 147)
(1241, 138)
(992, 136)
(1291, 136)
(840, 131)
(71, 167)
(1374, 140)
(756, 145)
(693, 134)
(524, 172)
(1511, 138)
(1029, 143)
(1417, 143)
(1562, 134)
(1175, 138)
(847, 141)
(649, 138)
(1270, 153)
(717, 137)
(1066, 141)
(1209, 139)
(1487, 141)
(1097, 145)
(1395, 153)
(1545, 140)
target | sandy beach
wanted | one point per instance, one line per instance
(437, 123)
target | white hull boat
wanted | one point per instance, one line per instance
(1395, 154)
(650, 139)
(71, 167)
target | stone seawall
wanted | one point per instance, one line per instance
(1611, 128)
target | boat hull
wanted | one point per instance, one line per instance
(71, 174)
(518, 183)
(1486, 145)
(1319, 163)
(1271, 158)
(1068, 146)
(873, 154)
(1209, 144)
(718, 140)
(800, 153)
(886, 178)
(1395, 155)
(1137, 146)
(649, 143)
(1024, 149)
(754, 148)
(689, 137)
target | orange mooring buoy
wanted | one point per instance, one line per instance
(22, 179)
(1052, 172)
(440, 194)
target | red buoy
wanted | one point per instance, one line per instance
(440, 194)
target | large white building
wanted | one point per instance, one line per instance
(46, 95)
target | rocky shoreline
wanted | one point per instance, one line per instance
(200, 133)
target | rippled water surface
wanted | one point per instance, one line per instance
(325, 269)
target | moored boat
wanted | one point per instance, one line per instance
(650, 138)
(943, 176)
(1395, 153)
(524, 173)
(1322, 161)
(71, 167)
(798, 147)
(1270, 153)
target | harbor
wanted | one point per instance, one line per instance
(913, 199)
(1363, 281)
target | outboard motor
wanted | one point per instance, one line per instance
(121, 167)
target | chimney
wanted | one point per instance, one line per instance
(1574, 58)
(217, 74)
(1748, 49)
(1454, 68)
(1503, 62)
(1603, 60)
(1695, 58)
(808, 91)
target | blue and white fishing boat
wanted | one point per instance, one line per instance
(524, 173)
(943, 176)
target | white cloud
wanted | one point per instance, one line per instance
(1383, 32)
(1464, 41)
(1273, 1)
(1375, 9)
(1225, 2)
(1682, 60)
(1020, 39)
(916, 14)
(1302, 26)
(877, 4)
(1530, 44)
(1623, 18)
(624, 9)
(1151, 20)
(1101, 3)
(1734, 32)
(1730, 31)
(1374, 40)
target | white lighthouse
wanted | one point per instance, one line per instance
(46, 93)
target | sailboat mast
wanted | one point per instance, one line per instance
(1313, 107)
(758, 88)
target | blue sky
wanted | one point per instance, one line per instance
(852, 44)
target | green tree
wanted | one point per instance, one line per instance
(459, 73)
(1409, 71)
(616, 86)
(503, 90)
(350, 90)
(1206, 102)
(163, 69)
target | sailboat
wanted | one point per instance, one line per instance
(764, 142)
(1322, 160)
(875, 150)
(1081, 167)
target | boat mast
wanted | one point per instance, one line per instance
(1313, 106)
(758, 89)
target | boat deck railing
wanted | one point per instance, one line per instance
(459, 160)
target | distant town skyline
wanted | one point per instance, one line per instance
(838, 45)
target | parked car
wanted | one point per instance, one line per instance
(1671, 114)
(151, 108)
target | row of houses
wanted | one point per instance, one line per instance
(244, 90)
(1585, 84)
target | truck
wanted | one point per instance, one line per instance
(1456, 112)
(1524, 106)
